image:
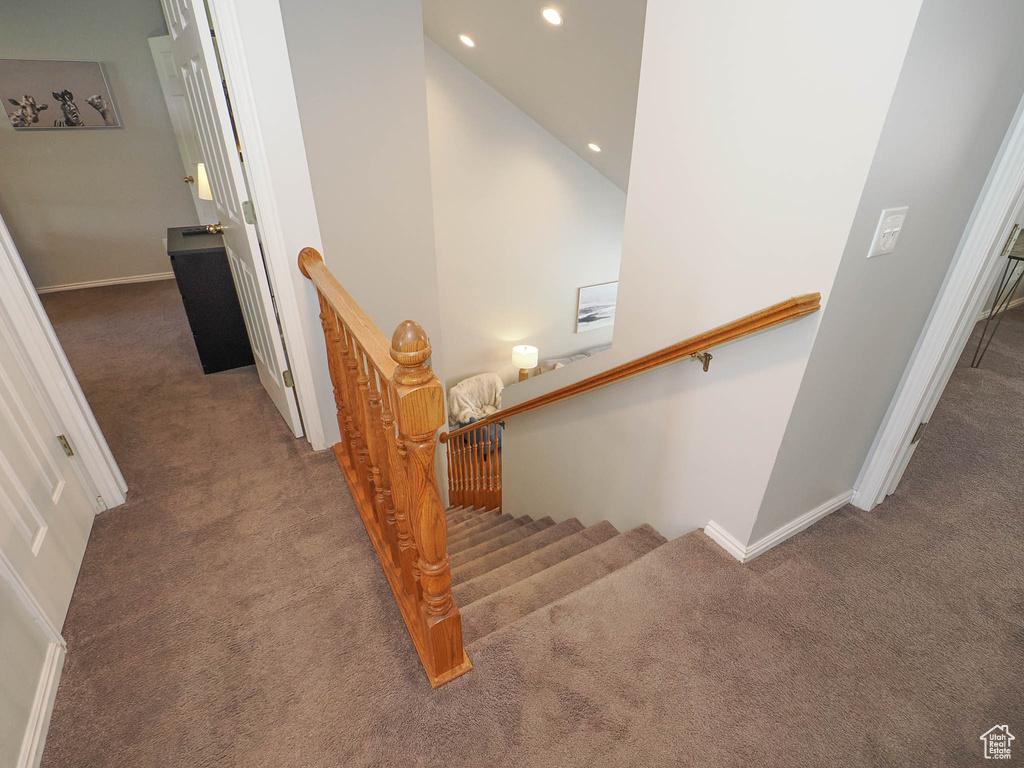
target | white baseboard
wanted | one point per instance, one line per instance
(745, 554)
(42, 707)
(725, 540)
(1015, 303)
(111, 281)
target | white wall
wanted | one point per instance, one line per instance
(93, 205)
(520, 223)
(360, 85)
(756, 125)
(960, 86)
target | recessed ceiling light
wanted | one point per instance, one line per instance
(594, 147)
(467, 41)
(551, 16)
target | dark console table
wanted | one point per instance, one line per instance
(201, 269)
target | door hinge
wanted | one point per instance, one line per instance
(918, 433)
(288, 380)
(249, 212)
(68, 451)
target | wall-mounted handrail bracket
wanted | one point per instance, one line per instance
(704, 357)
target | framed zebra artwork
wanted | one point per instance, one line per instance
(39, 95)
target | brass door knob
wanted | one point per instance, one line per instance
(215, 229)
(190, 180)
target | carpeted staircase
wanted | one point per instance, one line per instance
(505, 568)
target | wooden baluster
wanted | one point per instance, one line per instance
(496, 477)
(478, 475)
(484, 467)
(467, 446)
(471, 479)
(497, 467)
(487, 469)
(453, 449)
(463, 472)
(334, 367)
(464, 469)
(467, 476)
(420, 410)
(490, 466)
(491, 450)
(449, 454)
(349, 430)
(362, 462)
(408, 554)
(383, 501)
(344, 394)
(372, 466)
(411, 515)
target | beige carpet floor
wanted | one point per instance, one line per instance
(232, 613)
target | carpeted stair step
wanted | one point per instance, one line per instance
(488, 527)
(455, 511)
(463, 527)
(465, 514)
(513, 552)
(473, 524)
(496, 543)
(693, 564)
(524, 567)
(497, 531)
(491, 613)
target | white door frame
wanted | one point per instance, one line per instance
(956, 310)
(46, 691)
(37, 336)
(254, 61)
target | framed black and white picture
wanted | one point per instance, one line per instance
(596, 306)
(39, 95)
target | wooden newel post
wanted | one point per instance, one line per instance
(420, 413)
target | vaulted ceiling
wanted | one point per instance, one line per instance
(578, 80)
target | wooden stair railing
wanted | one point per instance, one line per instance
(390, 406)
(474, 470)
(474, 467)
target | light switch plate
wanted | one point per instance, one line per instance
(890, 224)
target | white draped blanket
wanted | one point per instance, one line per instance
(476, 397)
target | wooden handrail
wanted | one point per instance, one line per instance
(390, 406)
(312, 266)
(789, 309)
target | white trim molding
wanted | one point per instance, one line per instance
(725, 540)
(1014, 303)
(745, 554)
(111, 281)
(968, 283)
(19, 300)
(42, 708)
(31, 753)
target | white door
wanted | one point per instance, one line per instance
(181, 120)
(31, 661)
(196, 59)
(47, 507)
(46, 504)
